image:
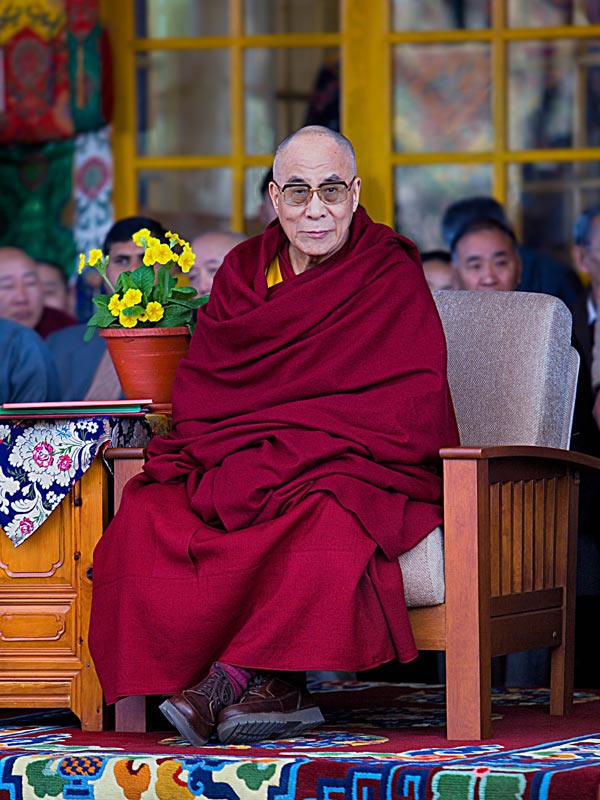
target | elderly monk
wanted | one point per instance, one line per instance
(263, 537)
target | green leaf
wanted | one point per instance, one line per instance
(102, 318)
(189, 304)
(124, 282)
(174, 318)
(143, 278)
(133, 311)
(101, 300)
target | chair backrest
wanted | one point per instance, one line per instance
(511, 367)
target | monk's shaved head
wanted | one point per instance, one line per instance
(314, 130)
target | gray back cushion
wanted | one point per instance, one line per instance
(511, 367)
(513, 375)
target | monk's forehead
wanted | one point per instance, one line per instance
(310, 155)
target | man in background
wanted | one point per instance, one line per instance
(539, 271)
(210, 248)
(586, 259)
(437, 266)
(21, 295)
(55, 287)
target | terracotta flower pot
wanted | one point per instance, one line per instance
(146, 359)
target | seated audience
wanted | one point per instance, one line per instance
(304, 458)
(21, 295)
(540, 272)
(586, 258)
(85, 369)
(27, 371)
(437, 265)
(210, 248)
(55, 286)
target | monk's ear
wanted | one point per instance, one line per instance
(356, 193)
(273, 194)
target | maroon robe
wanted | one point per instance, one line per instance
(265, 531)
(52, 320)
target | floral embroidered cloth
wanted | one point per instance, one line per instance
(40, 460)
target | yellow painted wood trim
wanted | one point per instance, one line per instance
(366, 102)
(236, 12)
(499, 88)
(120, 29)
(488, 34)
(520, 156)
(223, 42)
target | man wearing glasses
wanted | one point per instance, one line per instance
(303, 461)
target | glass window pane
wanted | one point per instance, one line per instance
(157, 19)
(291, 16)
(186, 201)
(554, 87)
(438, 15)
(423, 193)
(544, 13)
(545, 198)
(442, 97)
(183, 102)
(288, 88)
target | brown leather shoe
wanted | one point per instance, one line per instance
(194, 711)
(268, 709)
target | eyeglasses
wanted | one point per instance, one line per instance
(300, 194)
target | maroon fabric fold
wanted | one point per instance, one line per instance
(334, 380)
(303, 460)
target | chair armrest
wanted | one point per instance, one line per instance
(519, 451)
(510, 512)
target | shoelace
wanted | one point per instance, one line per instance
(216, 686)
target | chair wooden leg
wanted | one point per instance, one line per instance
(468, 635)
(468, 696)
(130, 714)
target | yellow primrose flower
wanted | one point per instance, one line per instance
(150, 256)
(154, 312)
(95, 257)
(114, 305)
(139, 237)
(132, 297)
(186, 259)
(164, 254)
(162, 300)
(176, 238)
(127, 322)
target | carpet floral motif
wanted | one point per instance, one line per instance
(349, 762)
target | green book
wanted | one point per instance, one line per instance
(75, 408)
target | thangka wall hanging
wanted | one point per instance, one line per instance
(56, 68)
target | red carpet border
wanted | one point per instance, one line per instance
(383, 742)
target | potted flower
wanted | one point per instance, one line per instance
(147, 317)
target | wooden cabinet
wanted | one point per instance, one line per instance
(45, 600)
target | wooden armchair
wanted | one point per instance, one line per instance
(510, 502)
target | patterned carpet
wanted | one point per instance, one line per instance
(379, 742)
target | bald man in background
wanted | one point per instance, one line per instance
(22, 297)
(210, 248)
